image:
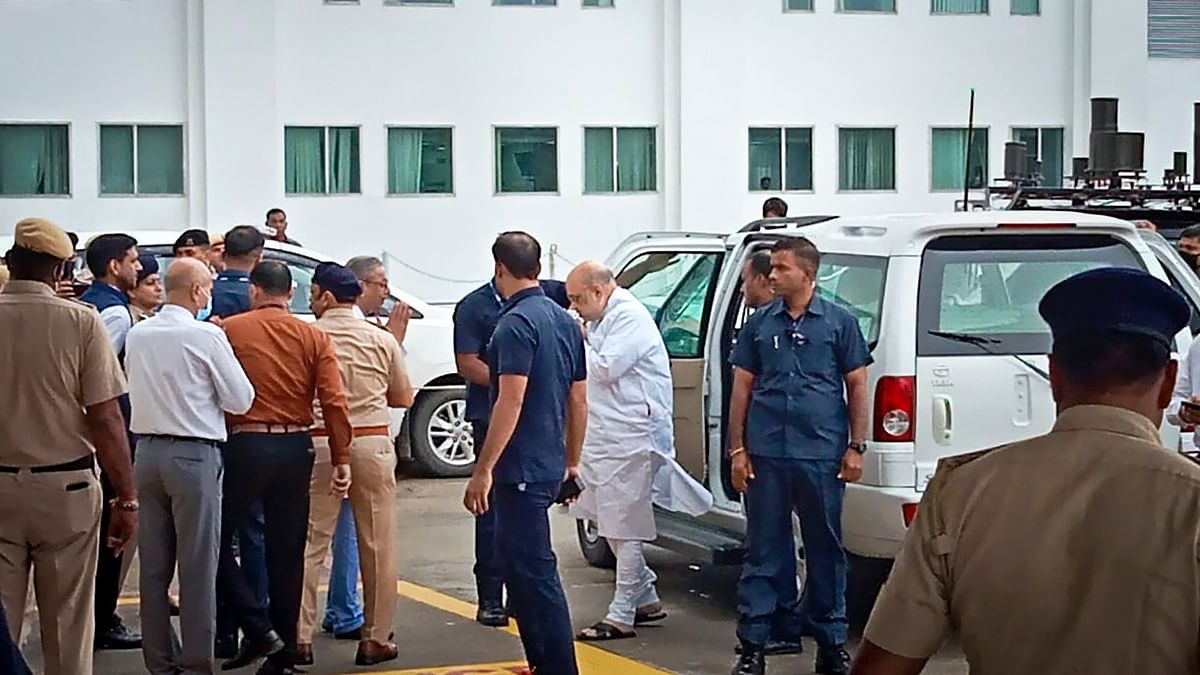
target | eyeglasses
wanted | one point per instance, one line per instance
(381, 284)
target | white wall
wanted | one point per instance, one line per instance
(702, 71)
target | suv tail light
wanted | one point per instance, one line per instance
(895, 407)
(909, 511)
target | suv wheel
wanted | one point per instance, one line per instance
(442, 444)
(594, 547)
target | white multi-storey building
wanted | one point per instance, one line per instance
(422, 128)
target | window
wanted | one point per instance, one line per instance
(866, 159)
(856, 283)
(797, 5)
(447, 3)
(1044, 145)
(867, 5)
(959, 6)
(1173, 29)
(1025, 7)
(675, 287)
(948, 158)
(524, 2)
(34, 160)
(320, 160)
(597, 3)
(526, 159)
(142, 159)
(991, 285)
(420, 161)
(626, 164)
(780, 159)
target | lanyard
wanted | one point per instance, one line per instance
(496, 293)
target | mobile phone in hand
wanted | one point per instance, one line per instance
(1191, 406)
(571, 488)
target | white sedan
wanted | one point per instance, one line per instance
(434, 433)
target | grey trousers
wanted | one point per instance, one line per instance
(179, 486)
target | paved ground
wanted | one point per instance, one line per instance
(436, 635)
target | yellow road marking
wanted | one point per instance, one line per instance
(476, 669)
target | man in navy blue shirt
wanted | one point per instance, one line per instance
(797, 431)
(535, 437)
(475, 319)
(231, 289)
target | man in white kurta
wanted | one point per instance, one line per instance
(628, 453)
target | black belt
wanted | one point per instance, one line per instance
(84, 463)
(180, 439)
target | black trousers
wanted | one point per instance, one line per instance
(274, 468)
(108, 566)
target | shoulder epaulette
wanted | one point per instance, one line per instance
(955, 461)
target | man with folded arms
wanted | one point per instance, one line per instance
(183, 377)
(269, 456)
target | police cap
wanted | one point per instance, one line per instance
(191, 238)
(42, 236)
(337, 279)
(1114, 299)
(149, 266)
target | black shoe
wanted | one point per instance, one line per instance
(117, 637)
(253, 650)
(352, 634)
(778, 648)
(751, 662)
(272, 668)
(832, 661)
(225, 647)
(492, 615)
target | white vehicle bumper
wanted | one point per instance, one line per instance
(873, 519)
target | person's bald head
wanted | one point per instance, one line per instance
(589, 287)
(188, 284)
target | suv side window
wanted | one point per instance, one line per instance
(675, 287)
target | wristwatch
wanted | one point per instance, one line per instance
(858, 446)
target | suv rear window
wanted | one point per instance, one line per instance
(856, 283)
(989, 286)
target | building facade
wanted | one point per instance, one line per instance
(424, 128)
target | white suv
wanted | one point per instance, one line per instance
(948, 305)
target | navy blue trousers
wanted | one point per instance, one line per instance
(489, 572)
(767, 596)
(11, 661)
(531, 574)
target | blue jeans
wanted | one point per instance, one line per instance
(489, 572)
(343, 606)
(531, 574)
(767, 594)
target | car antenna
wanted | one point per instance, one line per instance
(970, 142)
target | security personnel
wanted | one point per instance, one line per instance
(192, 244)
(231, 290)
(539, 415)
(475, 318)
(798, 422)
(1071, 552)
(61, 381)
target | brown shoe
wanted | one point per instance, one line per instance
(371, 652)
(304, 654)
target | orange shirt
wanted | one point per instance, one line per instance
(290, 362)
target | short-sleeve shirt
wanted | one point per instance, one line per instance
(58, 360)
(371, 364)
(798, 404)
(1072, 552)
(475, 318)
(231, 293)
(536, 337)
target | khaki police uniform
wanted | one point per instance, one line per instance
(372, 367)
(58, 361)
(1073, 552)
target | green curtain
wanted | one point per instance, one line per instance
(597, 3)
(116, 160)
(765, 160)
(304, 160)
(343, 161)
(526, 159)
(405, 150)
(801, 5)
(1052, 157)
(868, 5)
(867, 159)
(598, 160)
(798, 144)
(34, 159)
(1025, 7)
(960, 6)
(637, 170)
(949, 158)
(160, 160)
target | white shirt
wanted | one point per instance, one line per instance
(183, 377)
(117, 322)
(1185, 387)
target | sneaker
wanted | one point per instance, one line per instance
(832, 661)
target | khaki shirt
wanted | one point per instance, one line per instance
(1073, 552)
(55, 360)
(371, 363)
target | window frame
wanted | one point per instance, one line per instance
(986, 12)
(895, 189)
(583, 5)
(387, 150)
(328, 156)
(417, 3)
(496, 191)
(987, 169)
(615, 168)
(497, 3)
(868, 12)
(783, 163)
(1065, 160)
(69, 194)
(137, 194)
(1037, 13)
(812, 8)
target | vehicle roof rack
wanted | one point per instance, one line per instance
(763, 224)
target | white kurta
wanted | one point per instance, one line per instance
(629, 450)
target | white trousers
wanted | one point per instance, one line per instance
(635, 581)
